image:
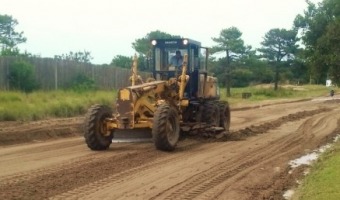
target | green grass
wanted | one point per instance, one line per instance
(267, 92)
(42, 105)
(323, 183)
(46, 104)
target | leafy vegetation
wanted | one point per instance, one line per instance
(82, 83)
(9, 38)
(80, 56)
(279, 46)
(42, 105)
(229, 42)
(21, 76)
(320, 26)
(122, 61)
(266, 92)
(324, 180)
(143, 46)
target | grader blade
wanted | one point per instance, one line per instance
(132, 135)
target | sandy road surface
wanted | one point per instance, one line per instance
(251, 164)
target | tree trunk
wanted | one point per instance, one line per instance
(228, 80)
(276, 76)
(228, 84)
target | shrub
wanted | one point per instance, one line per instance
(83, 83)
(21, 76)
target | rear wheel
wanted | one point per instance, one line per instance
(224, 115)
(211, 114)
(96, 135)
(165, 130)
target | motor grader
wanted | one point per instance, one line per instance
(175, 101)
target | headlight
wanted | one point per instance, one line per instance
(185, 41)
(153, 42)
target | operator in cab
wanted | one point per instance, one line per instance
(177, 59)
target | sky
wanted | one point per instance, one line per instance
(107, 28)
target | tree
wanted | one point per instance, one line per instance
(231, 43)
(143, 46)
(122, 61)
(21, 76)
(9, 38)
(331, 48)
(299, 68)
(81, 57)
(320, 25)
(279, 46)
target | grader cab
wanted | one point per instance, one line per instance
(176, 100)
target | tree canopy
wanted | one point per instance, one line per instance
(229, 42)
(143, 46)
(320, 26)
(279, 45)
(9, 38)
(122, 61)
(80, 56)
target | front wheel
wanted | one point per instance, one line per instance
(96, 135)
(165, 129)
(211, 113)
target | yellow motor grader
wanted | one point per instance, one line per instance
(176, 100)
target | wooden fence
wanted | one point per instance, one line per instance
(54, 74)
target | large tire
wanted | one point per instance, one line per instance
(95, 134)
(225, 116)
(211, 113)
(165, 129)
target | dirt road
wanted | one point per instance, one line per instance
(50, 160)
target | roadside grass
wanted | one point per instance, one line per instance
(41, 105)
(323, 182)
(267, 92)
(46, 104)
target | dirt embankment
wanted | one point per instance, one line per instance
(23, 132)
(252, 163)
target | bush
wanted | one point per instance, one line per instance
(83, 83)
(21, 76)
(271, 93)
(241, 77)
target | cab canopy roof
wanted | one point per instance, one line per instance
(176, 43)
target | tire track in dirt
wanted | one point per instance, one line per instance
(307, 137)
(269, 104)
(41, 183)
(69, 165)
(213, 177)
(262, 128)
(211, 183)
(41, 148)
(78, 174)
(81, 192)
